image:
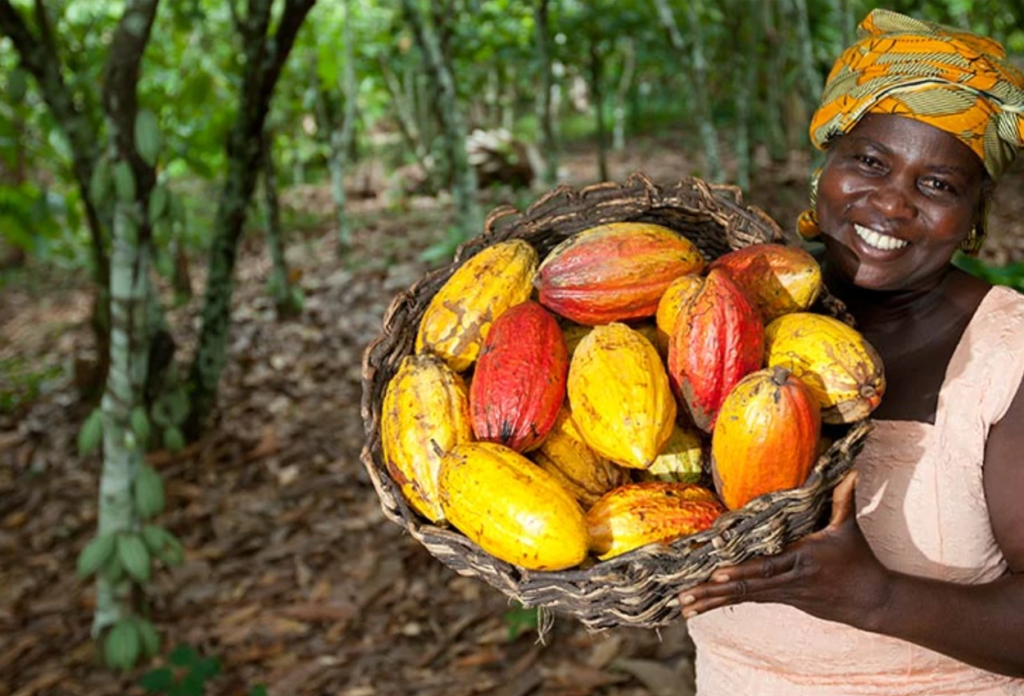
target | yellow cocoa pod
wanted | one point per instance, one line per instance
(620, 396)
(842, 370)
(460, 315)
(511, 508)
(583, 472)
(671, 303)
(424, 414)
(681, 460)
(643, 513)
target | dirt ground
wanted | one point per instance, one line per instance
(294, 579)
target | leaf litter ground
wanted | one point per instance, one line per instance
(294, 580)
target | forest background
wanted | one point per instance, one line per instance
(205, 209)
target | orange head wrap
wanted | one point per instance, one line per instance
(948, 78)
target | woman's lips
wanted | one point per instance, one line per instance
(876, 240)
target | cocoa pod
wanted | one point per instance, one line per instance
(777, 279)
(511, 508)
(681, 460)
(643, 513)
(519, 381)
(620, 395)
(843, 371)
(614, 272)
(460, 315)
(583, 472)
(671, 304)
(766, 438)
(424, 414)
(717, 339)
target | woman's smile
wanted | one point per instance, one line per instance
(877, 240)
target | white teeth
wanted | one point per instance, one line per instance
(878, 241)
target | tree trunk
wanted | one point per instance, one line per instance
(287, 302)
(597, 94)
(745, 95)
(548, 144)
(341, 141)
(404, 105)
(130, 303)
(775, 73)
(621, 92)
(463, 176)
(39, 56)
(265, 57)
(700, 93)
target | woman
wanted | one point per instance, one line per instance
(917, 584)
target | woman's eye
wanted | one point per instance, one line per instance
(867, 161)
(939, 185)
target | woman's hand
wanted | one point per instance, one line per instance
(831, 574)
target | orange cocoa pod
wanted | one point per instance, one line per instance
(839, 366)
(766, 438)
(716, 341)
(614, 272)
(643, 513)
(583, 472)
(671, 304)
(519, 381)
(511, 508)
(777, 279)
(424, 414)
(620, 395)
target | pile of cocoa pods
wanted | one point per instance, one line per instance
(564, 410)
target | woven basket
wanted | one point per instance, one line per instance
(638, 588)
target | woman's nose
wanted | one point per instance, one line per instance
(893, 201)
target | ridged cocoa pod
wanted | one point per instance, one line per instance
(565, 455)
(842, 370)
(424, 414)
(717, 339)
(620, 395)
(460, 315)
(519, 381)
(671, 304)
(766, 438)
(643, 513)
(681, 460)
(777, 279)
(614, 272)
(511, 508)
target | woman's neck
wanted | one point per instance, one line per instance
(880, 310)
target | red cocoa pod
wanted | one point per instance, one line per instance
(717, 340)
(519, 382)
(777, 279)
(766, 438)
(614, 272)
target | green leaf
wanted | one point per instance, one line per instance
(207, 667)
(124, 182)
(101, 183)
(149, 492)
(177, 207)
(154, 537)
(173, 553)
(16, 85)
(158, 203)
(174, 440)
(140, 424)
(177, 406)
(159, 414)
(147, 136)
(96, 553)
(258, 690)
(192, 684)
(157, 680)
(183, 656)
(149, 638)
(134, 556)
(91, 433)
(520, 620)
(112, 571)
(122, 645)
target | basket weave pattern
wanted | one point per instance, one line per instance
(638, 588)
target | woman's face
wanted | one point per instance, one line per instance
(896, 197)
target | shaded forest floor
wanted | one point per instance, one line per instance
(293, 578)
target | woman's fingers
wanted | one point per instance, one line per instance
(753, 581)
(844, 499)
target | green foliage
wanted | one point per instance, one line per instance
(148, 491)
(520, 620)
(96, 553)
(1011, 275)
(187, 674)
(90, 435)
(21, 382)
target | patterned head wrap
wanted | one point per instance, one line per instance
(948, 78)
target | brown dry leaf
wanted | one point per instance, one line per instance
(660, 679)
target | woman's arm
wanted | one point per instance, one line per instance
(833, 575)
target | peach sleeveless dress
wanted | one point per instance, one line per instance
(921, 505)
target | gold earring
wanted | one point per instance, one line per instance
(807, 221)
(972, 245)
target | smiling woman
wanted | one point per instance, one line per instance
(916, 585)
